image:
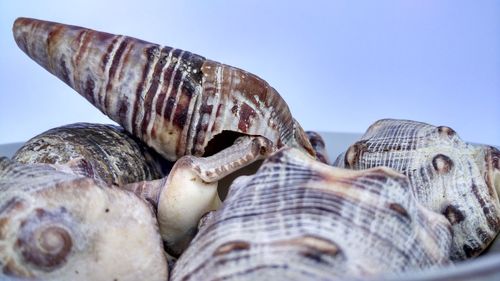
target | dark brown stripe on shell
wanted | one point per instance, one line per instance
(148, 100)
(122, 111)
(112, 72)
(65, 71)
(84, 35)
(107, 54)
(175, 76)
(246, 115)
(149, 53)
(399, 209)
(116, 61)
(89, 89)
(181, 111)
(453, 214)
(53, 37)
(164, 88)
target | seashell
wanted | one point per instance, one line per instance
(60, 226)
(319, 146)
(177, 102)
(299, 219)
(191, 189)
(447, 175)
(102, 152)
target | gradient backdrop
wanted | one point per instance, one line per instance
(340, 65)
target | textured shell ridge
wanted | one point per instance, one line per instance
(447, 175)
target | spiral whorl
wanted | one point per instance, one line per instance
(45, 241)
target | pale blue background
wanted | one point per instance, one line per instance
(340, 65)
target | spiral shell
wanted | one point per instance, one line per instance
(299, 219)
(459, 180)
(60, 226)
(175, 101)
(102, 152)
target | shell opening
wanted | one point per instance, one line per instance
(221, 141)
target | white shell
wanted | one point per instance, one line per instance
(58, 226)
(299, 219)
(447, 176)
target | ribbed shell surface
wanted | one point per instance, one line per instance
(299, 219)
(103, 152)
(172, 99)
(447, 176)
(60, 226)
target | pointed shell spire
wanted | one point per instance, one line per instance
(175, 101)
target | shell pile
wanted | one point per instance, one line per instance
(102, 202)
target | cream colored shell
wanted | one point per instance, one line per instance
(58, 226)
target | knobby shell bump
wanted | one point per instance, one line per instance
(61, 226)
(299, 219)
(102, 152)
(177, 102)
(448, 176)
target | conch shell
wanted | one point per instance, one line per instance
(299, 219)
(177, 102)
(448, 176)
(60, 226)
(102, 152)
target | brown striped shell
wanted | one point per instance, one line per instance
(447, 176)
(102, 152)
(299, 219)
(175, 101)
(60, 226)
